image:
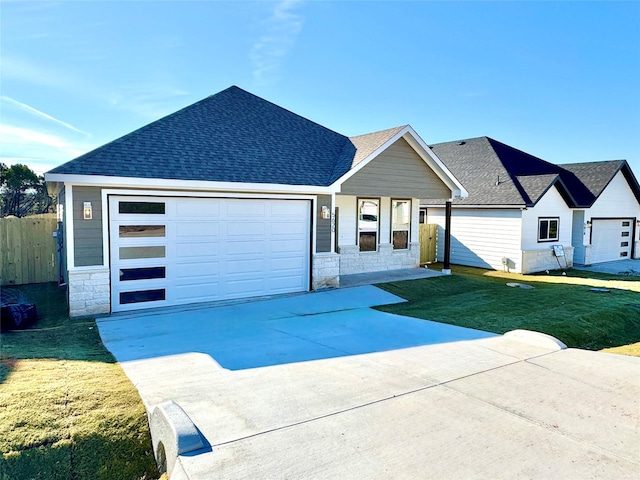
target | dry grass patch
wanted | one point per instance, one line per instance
(67, 410)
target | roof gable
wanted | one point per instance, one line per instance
(596, 176)
(496, 174)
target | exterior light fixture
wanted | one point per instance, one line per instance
(588, 223)
(87, 211)
(325, 213)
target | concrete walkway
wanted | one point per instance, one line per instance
(372, 278)
(321, 386)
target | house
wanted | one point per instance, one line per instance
(519, 207)
(236, 197)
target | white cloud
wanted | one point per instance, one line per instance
(37, 139)
(40, 114)
(282, 28)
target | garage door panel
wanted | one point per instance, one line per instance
(252, 247)
(198, 292)
(193, 230)
(211, 249)
(254, 267)
(198, 249)
(245, 209)
(292, 229)
(246, 229)
(288, 209)
(184, 271)
(197, 208)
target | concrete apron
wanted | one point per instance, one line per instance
(361, 394)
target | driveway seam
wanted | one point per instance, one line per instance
(374, 402)
(548, 427)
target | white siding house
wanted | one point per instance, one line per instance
(520, 209)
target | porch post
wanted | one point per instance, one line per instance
(446, 268)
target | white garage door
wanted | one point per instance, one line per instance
(174, 251)
(611, 239)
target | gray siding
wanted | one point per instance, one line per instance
(87, 234)
(62, 237)
(398, 172)
(323, 227)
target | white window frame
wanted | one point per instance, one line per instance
(364, 224)
(393, 223)
(548, 221)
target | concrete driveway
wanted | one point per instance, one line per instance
(618, 267)
(322, 386)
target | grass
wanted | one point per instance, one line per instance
(562, 306)
(67, 410)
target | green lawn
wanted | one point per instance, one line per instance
(562, 306)
(67, 410)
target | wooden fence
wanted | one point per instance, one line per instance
(28, 250)
(427, 237)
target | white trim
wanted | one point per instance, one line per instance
(423, 150)
(203, 194)
(68, 221)
(334, 223)
(171, 184)
(106, 251)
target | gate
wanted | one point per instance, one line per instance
(28, 250)
(427, 238)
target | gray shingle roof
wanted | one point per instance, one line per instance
(232, 136)
(496, 174)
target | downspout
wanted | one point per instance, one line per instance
(446, 268)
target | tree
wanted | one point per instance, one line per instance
(22, 191)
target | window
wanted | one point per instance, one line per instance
(626, 224)
(368, 224)
(142, 296)
(547, 229)
(132, 253)
(154, 208)
(129, 231)
(423, 216)
(145, 273)
(625, 234)
(624, 244)
(400, 221)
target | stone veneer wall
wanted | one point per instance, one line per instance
(89, 291)
(325, 271)
(386, 258)
(539, 260)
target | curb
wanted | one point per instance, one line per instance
(536, 339)
(173, 433)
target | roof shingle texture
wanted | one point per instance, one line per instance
(232, 136)
(496, 174)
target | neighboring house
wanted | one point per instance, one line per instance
(236, 197)
(519, 207)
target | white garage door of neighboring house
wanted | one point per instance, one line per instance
(611, 239)
(173, 251)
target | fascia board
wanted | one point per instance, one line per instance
(170, 184)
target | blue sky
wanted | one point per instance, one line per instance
(559, 80)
